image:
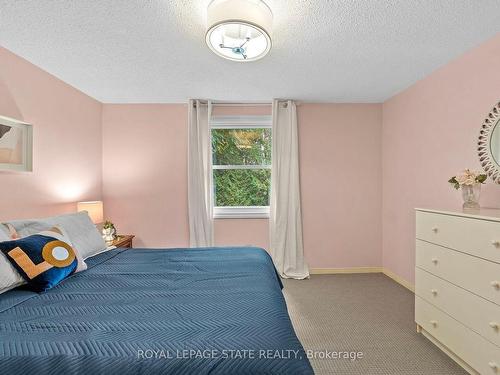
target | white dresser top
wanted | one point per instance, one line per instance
(491, 214)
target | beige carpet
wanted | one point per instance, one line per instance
(367, 313)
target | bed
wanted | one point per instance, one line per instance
(175, 311)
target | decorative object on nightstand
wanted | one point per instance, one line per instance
(108, 231)
(94, 209)
(470, 183)
(123, 241)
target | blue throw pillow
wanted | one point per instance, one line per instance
(43, 259)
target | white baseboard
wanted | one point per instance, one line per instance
(385, 271)
(399, 280)
(333, 271)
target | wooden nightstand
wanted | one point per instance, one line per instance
(123, 241)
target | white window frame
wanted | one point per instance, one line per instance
(239, 122)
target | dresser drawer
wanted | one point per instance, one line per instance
(478, 353)
(478, 314)
(473, 236)
(474, 274)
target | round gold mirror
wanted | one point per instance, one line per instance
(489, 144)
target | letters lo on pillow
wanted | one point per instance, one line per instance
(43, 259)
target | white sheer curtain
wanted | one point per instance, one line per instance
(201, 227)
(287, 248)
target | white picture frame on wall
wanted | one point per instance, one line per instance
(16, 145)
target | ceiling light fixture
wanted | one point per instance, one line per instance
(239, 30)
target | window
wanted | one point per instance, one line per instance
(241, 166)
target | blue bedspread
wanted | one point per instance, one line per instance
(176, 311)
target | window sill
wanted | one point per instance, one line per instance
(241, 212)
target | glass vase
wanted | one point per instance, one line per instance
(471, 194)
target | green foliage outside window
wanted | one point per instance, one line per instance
(242, 187)
(236, 147)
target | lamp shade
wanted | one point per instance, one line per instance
(94, 209)
(239, 30)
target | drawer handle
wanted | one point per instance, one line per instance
(495, 284)
(434, 323)
(435, 229)
(495, 243)
(435, 260)
(494, 366)
(495, 325)
(434, 292)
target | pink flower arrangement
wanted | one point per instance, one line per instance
(467, 178)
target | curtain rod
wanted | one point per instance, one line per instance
(242, 104)
(237, 104)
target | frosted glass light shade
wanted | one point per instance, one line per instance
(239, 30)
(94, 209)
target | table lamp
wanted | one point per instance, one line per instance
(94, 209)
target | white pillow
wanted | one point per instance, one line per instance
(7, 232)
(3, 234)
(79, 228)
(9, 277)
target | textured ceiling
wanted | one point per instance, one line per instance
(324, 50)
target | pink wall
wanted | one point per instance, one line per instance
(341, 167)
(145, 172)
(67, 142)
(429, 133)
(338, 143)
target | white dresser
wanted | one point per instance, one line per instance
(457, 285)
